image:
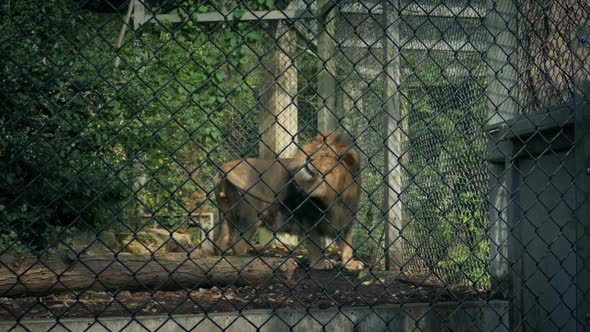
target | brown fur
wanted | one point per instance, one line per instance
(280, 196)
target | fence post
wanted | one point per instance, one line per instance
(393, 134)
(278, 126)
(327, 114)
(139, 179)
(502, 93)
(502, 88)
(582, 212)
(327, 82)
(500, 193)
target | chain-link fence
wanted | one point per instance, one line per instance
(379, 164)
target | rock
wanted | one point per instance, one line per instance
(157, 240)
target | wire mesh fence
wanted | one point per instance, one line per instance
(381, 164)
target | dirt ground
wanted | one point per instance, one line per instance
(307, 288)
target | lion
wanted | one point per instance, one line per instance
(315, 194)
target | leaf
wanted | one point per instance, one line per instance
(238, 13)
(254, 35)
(233, 41)
(269, 3)
(362, 275)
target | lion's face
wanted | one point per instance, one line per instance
(327, 166)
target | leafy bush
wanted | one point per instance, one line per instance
(53, 173)
(445, 199)
(78, 136)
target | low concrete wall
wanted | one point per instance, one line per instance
(454, 316)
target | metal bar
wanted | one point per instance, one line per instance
(499, 200)
(582, 211)
(502, 90)
(532, 148)
(529, 124)
(503, 108)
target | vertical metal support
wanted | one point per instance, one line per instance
(502, 89)
(582, 212)
(502, 93)
(327, 114)
(500, 196)
(393, 134)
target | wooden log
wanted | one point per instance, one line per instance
(56, 273)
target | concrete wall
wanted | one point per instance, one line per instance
(444, 316)
(546, 267)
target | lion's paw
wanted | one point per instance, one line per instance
(354, 265)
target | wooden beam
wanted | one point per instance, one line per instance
(262, 15)
(434, 44)
(327, 114)
(138, 13)
(278, 125)
(444, 10)
(295, 14)
(393, 134)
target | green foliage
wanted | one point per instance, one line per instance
(445, 197)
(444, 194)
(53, 173)
(78, 135)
